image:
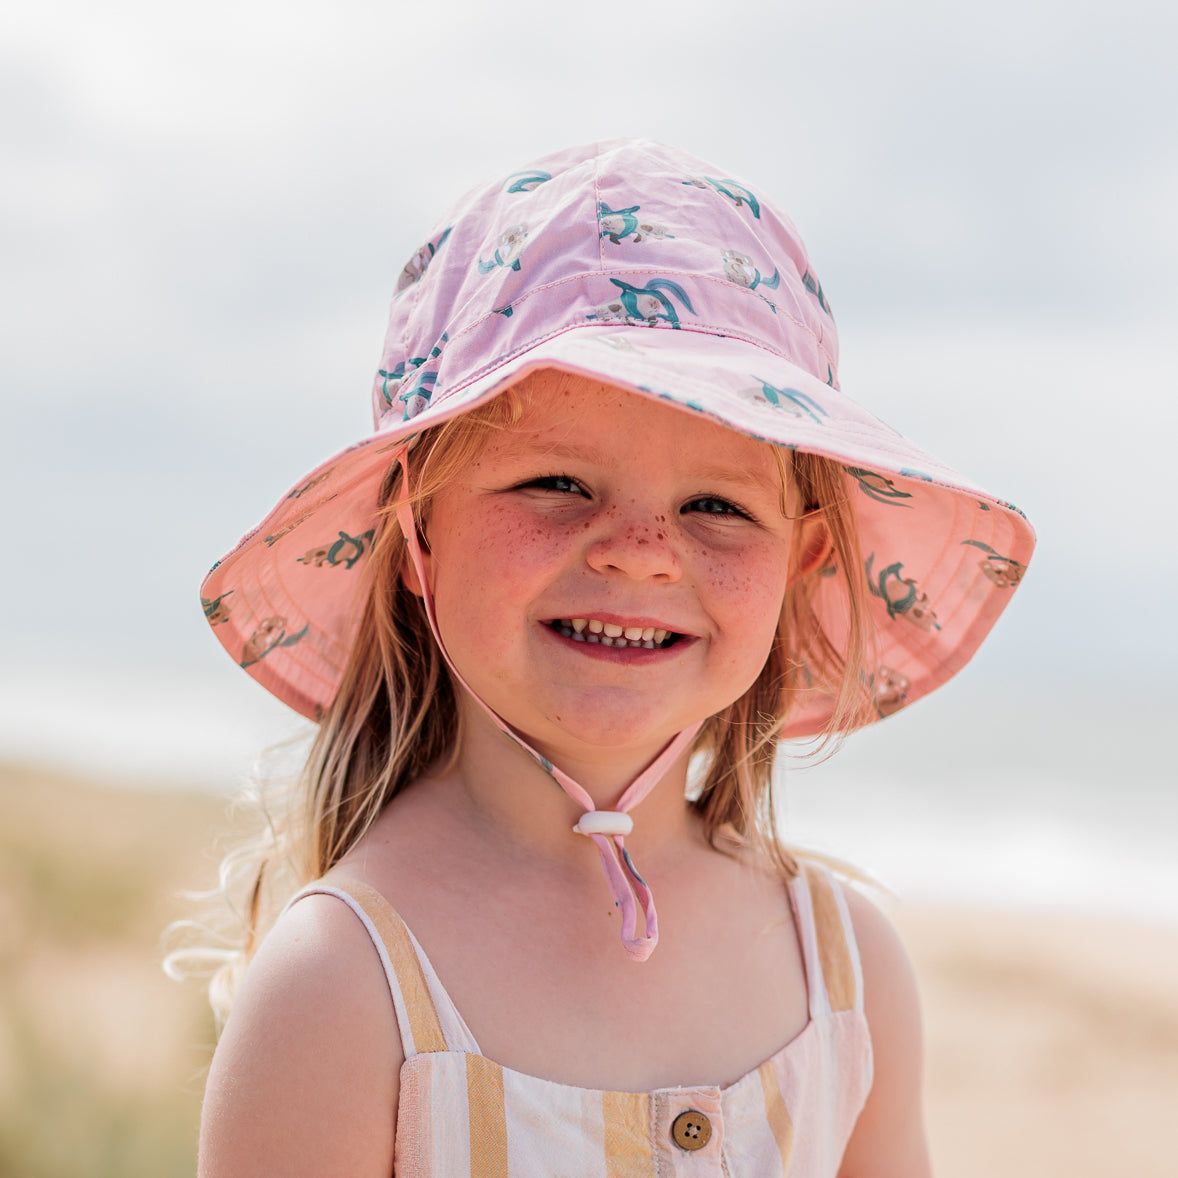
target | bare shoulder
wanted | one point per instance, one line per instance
(304, 1079)
(889, 1138)
(887, 969)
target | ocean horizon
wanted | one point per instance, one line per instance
(1034, 797)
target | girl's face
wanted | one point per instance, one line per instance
(603, 510)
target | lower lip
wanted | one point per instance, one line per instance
(630, 655)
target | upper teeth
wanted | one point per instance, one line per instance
(611, 634)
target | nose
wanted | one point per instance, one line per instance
(638, 545)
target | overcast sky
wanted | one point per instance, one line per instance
(205, 208)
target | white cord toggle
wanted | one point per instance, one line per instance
(604, 822)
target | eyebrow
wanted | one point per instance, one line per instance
(572, 452)
(738, 476)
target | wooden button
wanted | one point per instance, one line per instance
(691, 1130)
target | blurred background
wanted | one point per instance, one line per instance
(204, 213)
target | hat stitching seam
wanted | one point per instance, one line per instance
(716, 330)
(882, 442)
(597, 211)
(860, 430)
(605, 273)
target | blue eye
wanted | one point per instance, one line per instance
(711, 505)
(560, 483)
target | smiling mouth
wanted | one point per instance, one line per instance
(600, 633)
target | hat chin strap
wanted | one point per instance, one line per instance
(606, 828)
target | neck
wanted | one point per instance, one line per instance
(508, 792)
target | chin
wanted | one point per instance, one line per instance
(619, 734)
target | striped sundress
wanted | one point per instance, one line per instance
(461, 1114)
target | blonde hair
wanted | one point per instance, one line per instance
(394, 714)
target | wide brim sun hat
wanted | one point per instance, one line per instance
(638, 265)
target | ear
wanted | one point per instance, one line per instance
(812, 547)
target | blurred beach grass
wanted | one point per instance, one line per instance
(1052, 1039)
(102, 1057)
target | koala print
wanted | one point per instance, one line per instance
(508, 250)
(270, 634)
(1006, 574)
(921, 614)
(619, 224)
(315, 556)
(791, 401)
(344, 551)
(1001, 570)
(739, 268)
(216, 611)
(889, 691)
(737, 193)
(646, 304)
(416, 266)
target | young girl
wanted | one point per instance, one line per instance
(616, 535)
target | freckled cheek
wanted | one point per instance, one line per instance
(738, 574)
(510, 558)
(748, 594)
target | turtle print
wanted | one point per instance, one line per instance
(878, 487)
(815, 288)
(527, 181)
(344, 551)
(901, 596)
(414, 397)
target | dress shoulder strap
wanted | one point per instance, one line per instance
(426, 1015)
(834, 976)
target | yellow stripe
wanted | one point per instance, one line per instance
(833, 952)
(423, 1017)
(780, 1122)
(627, 1135)
(488, 1118)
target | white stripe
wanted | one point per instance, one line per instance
(454, 1028)
(402, 1011)
(540, 1117)
(449, 1136)
(815, 980)
(852, 945)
